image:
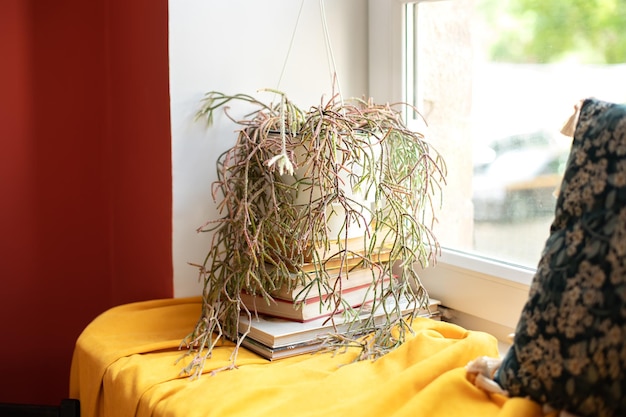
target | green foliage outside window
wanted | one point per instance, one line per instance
(544, 31)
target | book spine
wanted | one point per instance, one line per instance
(316, 285)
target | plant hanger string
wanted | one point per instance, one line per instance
(330, 57)
(282, 161)
(293, 37)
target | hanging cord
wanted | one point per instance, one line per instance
(282, 161)
(330, 57)
(293, 37)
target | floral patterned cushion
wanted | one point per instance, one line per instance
(569, 350)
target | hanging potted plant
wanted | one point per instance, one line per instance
(298, 189)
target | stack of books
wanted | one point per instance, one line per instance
(277, 338)
(296, 318)
(295, 324)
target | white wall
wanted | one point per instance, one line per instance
(240, 46)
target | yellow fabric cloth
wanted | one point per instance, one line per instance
(124, 365)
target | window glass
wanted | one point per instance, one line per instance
(496, 80)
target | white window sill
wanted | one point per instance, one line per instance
(479, 294)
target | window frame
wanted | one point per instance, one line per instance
(480, 293)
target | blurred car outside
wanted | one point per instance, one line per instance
(517, 177)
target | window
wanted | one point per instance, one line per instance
(495, 82)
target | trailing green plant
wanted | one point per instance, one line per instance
(289, 175)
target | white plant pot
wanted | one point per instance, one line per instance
(358, 200)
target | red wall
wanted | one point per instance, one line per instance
(85, 177)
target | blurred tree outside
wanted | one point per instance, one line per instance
(549, 31)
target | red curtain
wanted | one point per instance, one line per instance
(85, 177)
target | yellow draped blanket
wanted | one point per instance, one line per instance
(124, 365)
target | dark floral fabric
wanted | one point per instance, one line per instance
(569, 350)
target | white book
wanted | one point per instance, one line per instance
(274, 332)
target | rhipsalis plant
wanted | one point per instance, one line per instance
(296, 185)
